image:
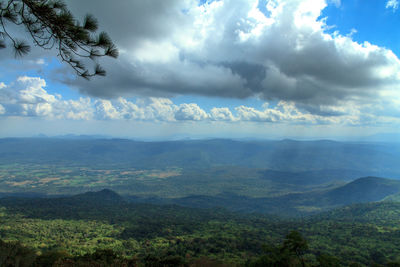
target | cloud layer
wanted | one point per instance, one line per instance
(231, 49)
(27, 97)
(286, 56)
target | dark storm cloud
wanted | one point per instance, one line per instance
(124, 79)
(225, 50)
(130, 21)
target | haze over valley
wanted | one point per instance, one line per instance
(279, 177)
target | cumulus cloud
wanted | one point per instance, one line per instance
(27, 97)
(231, 49)
(190, 112)
(106, 110)
(149, 109)
(225, 48)
(221, 114)
(282, 112)
(393, 4)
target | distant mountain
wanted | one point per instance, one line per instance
(72, 136)
(383, 137)
(287, 155)
(367, 189)
(362, 190)
(314, 177)
(82, 136)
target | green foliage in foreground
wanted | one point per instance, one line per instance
(290, 253)
(87, 229)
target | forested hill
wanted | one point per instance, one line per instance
(102, 228)
(362, 190)
(384, 213)
(286, 155)
(367, 189)
(102, 205)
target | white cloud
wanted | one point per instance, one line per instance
(27, 97)
(394, 4)
(226, 48)
(230, 49)
(106, 110)
(190, 112)
(159, 109)
(77, 109)
(221, 114)
(282, 112)
(336, 2)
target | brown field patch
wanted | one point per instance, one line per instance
(98, 182)
(165, 174)
(127, 172)
(48, 180)
(27, 182)
(102, 171)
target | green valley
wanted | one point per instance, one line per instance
(194, 203)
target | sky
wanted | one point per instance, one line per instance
(266, 69)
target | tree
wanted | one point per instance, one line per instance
(326, 260)
(296, 244)
(290, 253)
(51, 25)
(15, 254)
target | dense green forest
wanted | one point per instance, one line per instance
(103, 227)
(198, 203)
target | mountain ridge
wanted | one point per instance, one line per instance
(377, 159)
(372, 189)
(359, 191)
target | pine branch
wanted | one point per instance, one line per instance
(49, 22)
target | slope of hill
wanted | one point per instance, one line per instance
(377, 213)
(362, 190)
(105, 196)
(367, 189)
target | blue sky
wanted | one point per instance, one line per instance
(373, 21)
(235, 69)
